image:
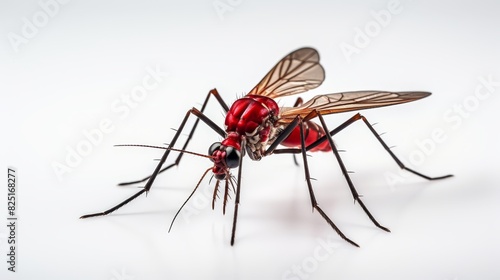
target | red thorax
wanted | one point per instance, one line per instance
(254, 118)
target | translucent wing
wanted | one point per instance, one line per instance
(350, 101)
(297, 72)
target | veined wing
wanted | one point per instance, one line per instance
(297, 72)
(350, 101)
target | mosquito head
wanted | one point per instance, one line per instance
(224, 158)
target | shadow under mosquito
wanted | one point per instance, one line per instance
(302, 220)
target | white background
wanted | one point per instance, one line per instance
(64, 78)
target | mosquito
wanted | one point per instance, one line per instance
(255, 126)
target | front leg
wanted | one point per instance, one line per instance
(298, 122)
(158, 169)
(224, 106)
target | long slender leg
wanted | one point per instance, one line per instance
(237, 198)
(328, 137)
(224, 106)
(157, 170)
(314, 203)
(348, 179)
(346, 124)
(288, 129)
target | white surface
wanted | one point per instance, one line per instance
(67, 77)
